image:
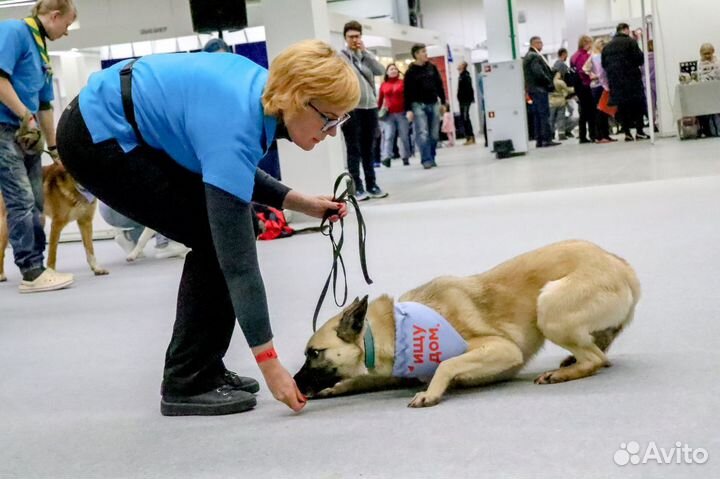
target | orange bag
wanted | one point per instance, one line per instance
(603, 106)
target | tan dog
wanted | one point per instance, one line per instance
(572, 293)
(63, 204)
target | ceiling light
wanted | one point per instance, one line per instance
(15, 3)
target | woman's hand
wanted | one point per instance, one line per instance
(315, 206)
(318, 205)
(282, 385)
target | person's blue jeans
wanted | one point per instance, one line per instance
(21, 184)
(392, 124)
(427, 129)
(132, 229)
(541, 107)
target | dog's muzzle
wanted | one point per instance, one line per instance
(311, 381)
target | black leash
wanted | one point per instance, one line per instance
(348, 196)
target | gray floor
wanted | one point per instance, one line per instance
(81, 368)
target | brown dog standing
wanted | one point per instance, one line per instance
(572, 293)
(63, 204)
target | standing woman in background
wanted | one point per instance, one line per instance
(391, 102)
(582, 90)
(598, 85)
(466, 97)
(26, 115)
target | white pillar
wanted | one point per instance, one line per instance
(502, 30)
(576, 24)
(287, 22)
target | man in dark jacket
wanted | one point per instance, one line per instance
(423, 88)
(539, 82)
(622, 59)
(466, 97)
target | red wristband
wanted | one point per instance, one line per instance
(266, 355)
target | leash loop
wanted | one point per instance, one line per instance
(346, 196)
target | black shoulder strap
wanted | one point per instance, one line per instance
(127, 101)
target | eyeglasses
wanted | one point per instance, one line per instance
(330, 123)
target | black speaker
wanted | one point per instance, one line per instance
(215, 15)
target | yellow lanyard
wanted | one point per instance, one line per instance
(40, 43)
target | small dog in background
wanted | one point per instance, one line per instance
(476, 330)
(170, 248)
(146, 236)
(64, 203)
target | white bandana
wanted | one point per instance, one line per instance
(423, 339)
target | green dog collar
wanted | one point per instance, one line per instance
(369, 347)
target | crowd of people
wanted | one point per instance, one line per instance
(604, 79)
(408, 112)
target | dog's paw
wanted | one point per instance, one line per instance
(423, 399)
(325, 393)
(552, 377)
(100, 271)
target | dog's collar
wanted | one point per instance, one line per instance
(369, 347)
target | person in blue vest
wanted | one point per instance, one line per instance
(173, 142)
(26, 95)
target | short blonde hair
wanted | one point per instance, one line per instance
(599, 44)
(707, 49)
(305, 71)
(46, 6)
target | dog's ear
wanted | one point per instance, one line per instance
(352, 320)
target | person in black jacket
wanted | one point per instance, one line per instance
(539, 83)
(622, 59)
(466, 97)
(423, 87)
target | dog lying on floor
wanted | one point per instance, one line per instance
(476, 330)
(64, 203)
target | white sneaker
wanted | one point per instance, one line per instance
(172, 250)
(49, 280)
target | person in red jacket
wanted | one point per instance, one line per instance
(393, 122)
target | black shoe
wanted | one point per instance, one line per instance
(584, 141)
(641, 136)
(249, 385)
(376, 192)
(361, 195)
(433, 164)
(569, 134)
(550, 143)
(406, 161)
(629, 138)
(427, 166)
(386, 162)
(223, 400)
